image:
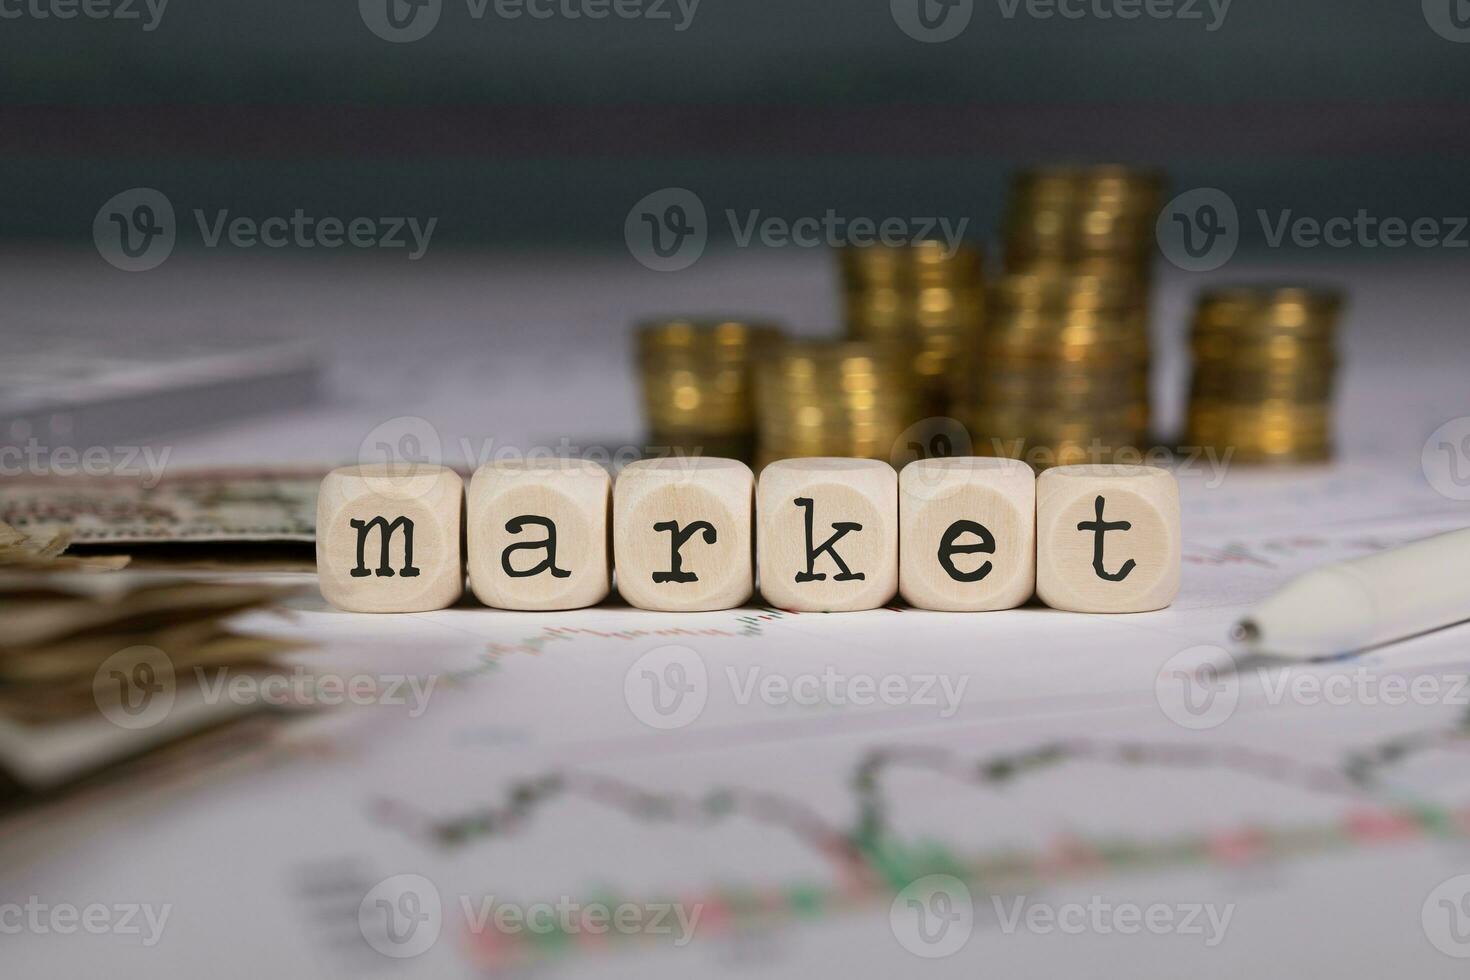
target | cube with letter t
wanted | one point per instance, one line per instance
(828, 538)
(388, 537)
(682, 533)
(1107, 538)
(538, 533)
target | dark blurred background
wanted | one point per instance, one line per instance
(546, 130)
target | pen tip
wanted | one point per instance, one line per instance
(1245, 631)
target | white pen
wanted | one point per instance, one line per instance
(1366, 602)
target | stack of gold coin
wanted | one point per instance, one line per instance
(1061, 375)
(926, 300)
(1093, 220)
(1265, 366)
(832, 398)
(698, 385)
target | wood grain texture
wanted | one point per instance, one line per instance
(705, 505)
(1127, 561)
(816, 516)
(967, 534)
(539, 534)
(359, 507)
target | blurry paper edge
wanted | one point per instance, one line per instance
(202, 506)
(43, 758)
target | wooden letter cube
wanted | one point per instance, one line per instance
(682, 531)
(1107, 538)
(967, 532)
(828, 537)
(388, 537)
(538, 533)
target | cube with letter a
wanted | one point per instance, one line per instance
(538, 533)
(389, 537)
(828, 534)
(1107, 538)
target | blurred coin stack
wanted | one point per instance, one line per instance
(1089, 220)
(926, 300)
(1265, 364)
(1061, 374)
(833, 398)
(697, 378)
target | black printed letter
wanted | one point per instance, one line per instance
(1100, 527)
(948, 548)
(676, 541)
(516, 526)
(841, 528)
(385, 534)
